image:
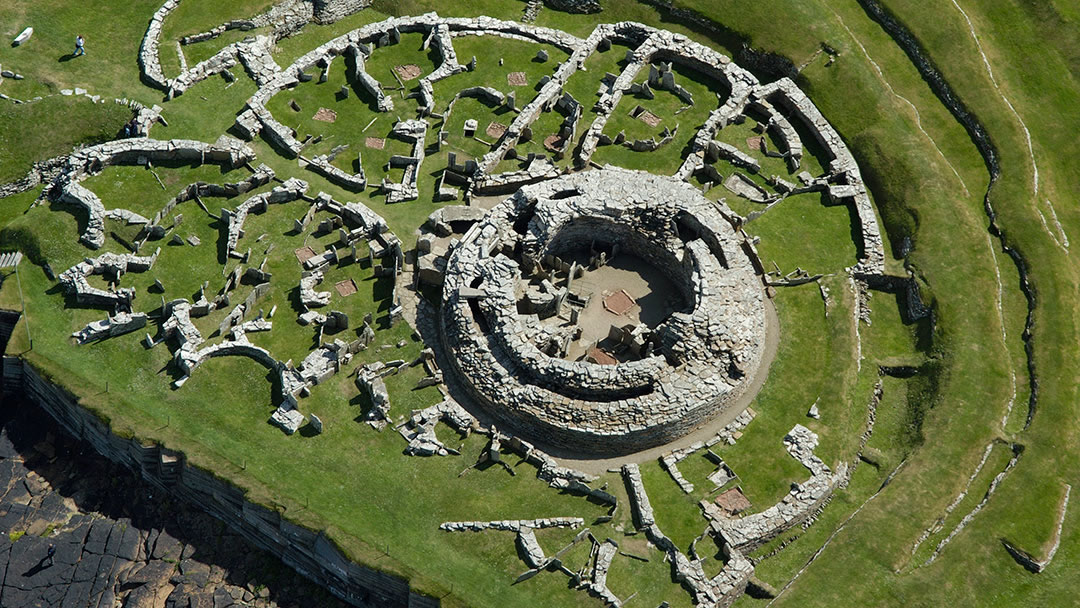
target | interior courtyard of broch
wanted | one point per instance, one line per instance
(582, 316)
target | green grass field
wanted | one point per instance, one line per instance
(926, 178)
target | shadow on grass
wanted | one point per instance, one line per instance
(308, 431)
(383, 322)
(335, 331)
(382, 289)
(364, 401)
(856, 229)
(173, 371)
(276, 388)
(295, 302)
(235, 131)
(82, 218)
(222, 240)
(126, 244)
(70, 300)
(358, 90)
(923, 328)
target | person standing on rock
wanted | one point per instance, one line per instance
(79, 43)
(51, 553)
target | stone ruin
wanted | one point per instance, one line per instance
(88, 161)
(801, 503)
(653, 51)
(509, 308)
(355, 220)
(112, 266)
(691, 366)
(119, 324)
(285, 18)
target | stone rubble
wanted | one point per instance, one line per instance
(255, 325)
(512, 525)
(598, 586)
(178, 325)
(116, 325)
(414, 132)
(423, 442)
(288, 420)
(373, 386)
(321, 164)
(42, 171)
(308, 296)
(730, 433)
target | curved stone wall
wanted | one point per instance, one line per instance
(696, 361)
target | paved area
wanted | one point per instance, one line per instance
(655, 298)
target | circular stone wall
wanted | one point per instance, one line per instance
(688, 369)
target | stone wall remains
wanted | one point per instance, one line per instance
(583, 406)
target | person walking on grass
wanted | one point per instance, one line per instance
(79, 50)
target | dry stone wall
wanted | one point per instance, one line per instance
(802, 502)
(702, 354)
(717, 592)
(284, 18)
(845, 184)
(112, 265)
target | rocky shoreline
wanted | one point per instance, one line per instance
(119, 540)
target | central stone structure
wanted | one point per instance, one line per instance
(510, 310)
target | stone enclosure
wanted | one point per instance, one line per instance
(510, 341)
(690, 367)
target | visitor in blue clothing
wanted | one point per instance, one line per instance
(79, 50)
